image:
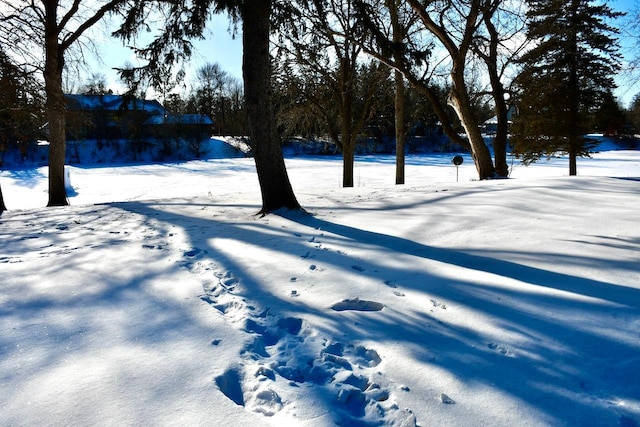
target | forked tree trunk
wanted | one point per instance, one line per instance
(459, 100)
(498, 94)
(55, 107)
(256, 69)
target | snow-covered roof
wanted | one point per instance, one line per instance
(112, 103)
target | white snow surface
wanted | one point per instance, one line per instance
(159, 298)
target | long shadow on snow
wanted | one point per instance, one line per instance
(558, 384)
(578, 285)
(558, 391)
(62, 340)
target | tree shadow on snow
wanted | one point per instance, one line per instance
(559, 368)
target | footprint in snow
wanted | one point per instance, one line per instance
(287, 348)
(438, 304)
(357, 305)
(189, 259)
(192, 253)
(501, 349)
(446, 399)
(390, 284)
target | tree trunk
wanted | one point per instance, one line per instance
(256, 69)
(498, 94)
(573, 160)
(3, 207)
(55, 107)
(400, 129)
(500, 141)
(348, 136)
(459, 100)
(399, 100)
(348, 161)
(502, 129)
(574, 91)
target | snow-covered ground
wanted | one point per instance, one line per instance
(159, 298)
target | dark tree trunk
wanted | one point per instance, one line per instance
(459, 100)
(348, 161)
(500, 141)
(574, 91)
(498, 94)
(55, 107)
(398, 38)
(573, 161)
(348, 136)
(400, 128)
(3, 207)
(256, 69)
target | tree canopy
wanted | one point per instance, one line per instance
(565, 77)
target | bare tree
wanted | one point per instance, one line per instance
(443, 46)
(498, 45)
(212, 91)
(49, 29)
(322, 45)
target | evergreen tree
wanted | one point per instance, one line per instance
(610, 117)
(565, 77)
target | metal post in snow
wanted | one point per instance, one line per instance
(457, 161)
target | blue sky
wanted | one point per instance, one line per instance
(221, 47)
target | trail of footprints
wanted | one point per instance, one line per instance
(286, 353)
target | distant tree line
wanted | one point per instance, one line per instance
(346, 71)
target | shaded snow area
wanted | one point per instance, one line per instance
(159, 298)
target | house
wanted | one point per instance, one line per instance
(117, 117)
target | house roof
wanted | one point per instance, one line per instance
(110, 102)
(158, 115)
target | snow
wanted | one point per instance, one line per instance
(160, 298)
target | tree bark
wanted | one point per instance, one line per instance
(3, 207)
(346, 119)
(500, 140)
(274, 181)
(574, 91)
(55, 106)
(459, 100)
(498, 94)
(400, 128)
(399, 100)
(573, 162)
